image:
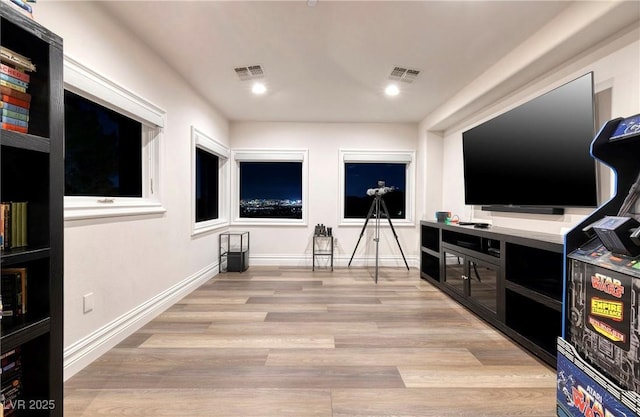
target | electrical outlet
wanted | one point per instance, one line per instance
(88, 302)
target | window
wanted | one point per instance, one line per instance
(206, 185)
(210, 178)
(103, 150)
(271, 190)
(271, 187)
(364, 171)
(387, 178)
(111, 148)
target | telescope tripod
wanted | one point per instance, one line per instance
(379, 208)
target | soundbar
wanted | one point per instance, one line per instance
(524, 209)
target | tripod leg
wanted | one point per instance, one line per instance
(386, 212)
(377, 238)
(364, 227)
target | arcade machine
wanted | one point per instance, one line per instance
(598, 368)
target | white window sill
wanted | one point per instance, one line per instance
(79, 211)
(209, 226)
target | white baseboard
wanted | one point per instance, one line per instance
(338, 261)
(86, 350)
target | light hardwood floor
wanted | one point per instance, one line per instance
(288, 342)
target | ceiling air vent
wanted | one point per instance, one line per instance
(249, 73)
(406, 75)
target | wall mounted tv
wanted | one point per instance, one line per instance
(536, 157)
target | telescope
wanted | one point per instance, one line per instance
(381, 190)
(377, 210)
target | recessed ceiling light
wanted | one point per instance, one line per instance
(312, 3)
(392, 90)
(258, 88)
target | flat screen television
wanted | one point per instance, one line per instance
(536, 155)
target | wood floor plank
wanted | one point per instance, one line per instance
(309, 299)
(211, 403)
(239, 341)
(286, 341)
(496, 376)
(277, 307)
(443, 402)
(373, 357)
(285, 377)
(309, 328)
(211, 316)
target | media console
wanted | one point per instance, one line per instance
(510, 278)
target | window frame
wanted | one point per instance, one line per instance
(202, 141)
(407, 157)
(97, 88)
(270, 155)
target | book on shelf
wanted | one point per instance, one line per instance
(14, 224)
(15, 101)
(11, 392)
(13, 58)
(14, 72)
(19, 277)
(14, 81)
(13, 121)
(15, 128)
(5, 228)
(23, 6)
(14, 114)
(14, 108)
(2, 226)
(12, 389)
(13, 86)
(10, 366)
(14, 292)
(12, 92)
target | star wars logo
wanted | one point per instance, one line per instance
(589, 402)
(607, 285)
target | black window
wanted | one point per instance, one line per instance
(362, 176)
(207, 171)
(103, 150)
(271, 190)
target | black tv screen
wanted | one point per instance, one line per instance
(537, 154)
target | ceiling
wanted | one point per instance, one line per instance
(331, 62)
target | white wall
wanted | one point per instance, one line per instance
(291, 245)
(616, 67)
(133, 265)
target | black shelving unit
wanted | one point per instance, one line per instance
(32, 170)
(234, 251)
(322, 247)
(510, 278)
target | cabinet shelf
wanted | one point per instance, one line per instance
(22, 255)
(533, 295)
(22, 331)
(25, 141)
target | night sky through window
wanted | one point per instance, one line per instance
(271, 190)
(359, 177)
(271, 180)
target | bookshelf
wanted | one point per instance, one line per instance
(32, 172)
